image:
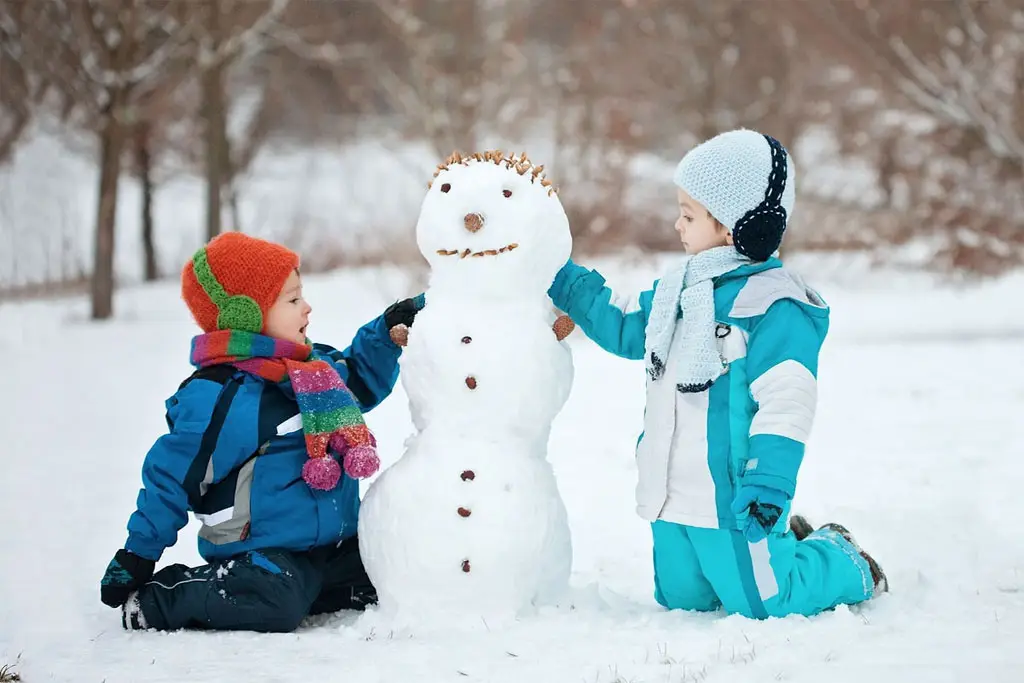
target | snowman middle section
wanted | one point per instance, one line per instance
(487, 365)
(470, 518)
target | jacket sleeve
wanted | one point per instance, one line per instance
(210, 434)
(782, 364)
(369, 366)
(619, 327)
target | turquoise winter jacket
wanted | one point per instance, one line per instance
(752, 425)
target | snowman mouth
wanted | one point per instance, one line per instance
(469, 252)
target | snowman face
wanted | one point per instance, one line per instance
(489, 228)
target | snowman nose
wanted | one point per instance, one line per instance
(474, 222)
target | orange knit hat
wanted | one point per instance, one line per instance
(233, 281)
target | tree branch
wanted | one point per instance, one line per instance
(925, 88)
(246, 39)
(974, 30)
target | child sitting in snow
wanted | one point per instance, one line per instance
(253, 448)
(730, 340)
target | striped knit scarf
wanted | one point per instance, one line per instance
(331, 418)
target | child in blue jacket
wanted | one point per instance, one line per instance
(730, 340)
(253, 449)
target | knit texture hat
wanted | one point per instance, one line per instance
(746, 180)
(233, 281)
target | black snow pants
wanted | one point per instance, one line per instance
(264, 590)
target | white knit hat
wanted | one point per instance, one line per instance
(746, 180)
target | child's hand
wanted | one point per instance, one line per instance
(401, 313)
(125, 574)
(398, 318)
(764, 507)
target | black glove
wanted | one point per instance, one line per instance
(403, 312)
(125, 574)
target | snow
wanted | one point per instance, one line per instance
(522, 375)
(469, 525)
(916, 448)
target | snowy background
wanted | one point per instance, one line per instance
(916, 448)
(907, 125)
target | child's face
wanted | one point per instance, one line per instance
(289, 316)
(697, 230)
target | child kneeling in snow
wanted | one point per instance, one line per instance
(253, 448)
(731, 341)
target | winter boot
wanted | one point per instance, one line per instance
(877, 575)
(800, 527)
(132, 618)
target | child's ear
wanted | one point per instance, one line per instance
(722, 230)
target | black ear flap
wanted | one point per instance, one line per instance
(758, 234)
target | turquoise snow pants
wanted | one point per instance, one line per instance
(704, 569)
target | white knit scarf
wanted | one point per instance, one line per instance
(689, 288)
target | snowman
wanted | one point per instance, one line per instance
(469, 521)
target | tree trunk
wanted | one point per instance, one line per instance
(230, 184)
(111, 145)
(150, 269)
(215, 118)
(236, 217)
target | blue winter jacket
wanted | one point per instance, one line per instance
(234, 457)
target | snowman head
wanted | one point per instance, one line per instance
(493, 224)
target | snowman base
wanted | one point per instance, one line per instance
(486, 541)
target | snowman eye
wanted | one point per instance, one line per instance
(507, 193)
(446, 187)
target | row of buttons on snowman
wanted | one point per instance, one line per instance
(467, 475)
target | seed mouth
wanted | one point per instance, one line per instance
(469, 252)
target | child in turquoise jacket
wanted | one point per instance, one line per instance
(730, 340)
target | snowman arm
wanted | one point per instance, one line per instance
(369, 366)
(618, 329)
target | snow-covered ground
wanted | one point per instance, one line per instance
(916, 448)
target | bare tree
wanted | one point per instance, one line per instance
(231, 33)
(654, 77)
(101, 57)
(949, 121)
(454, 73)
(143, 148)
(929, 94)
(16, 88)
(157, 146)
